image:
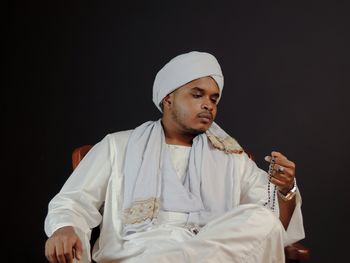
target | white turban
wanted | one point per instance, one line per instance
(183, 69)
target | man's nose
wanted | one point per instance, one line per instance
(207, 105)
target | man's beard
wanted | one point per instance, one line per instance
(187, 129)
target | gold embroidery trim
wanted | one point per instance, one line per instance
(141, 210)
(228, 144)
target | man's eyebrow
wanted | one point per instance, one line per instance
(197, 89)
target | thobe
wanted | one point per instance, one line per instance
(248, 232)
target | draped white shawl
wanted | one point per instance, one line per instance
(151, 183)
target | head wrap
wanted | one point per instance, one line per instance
(183, 69)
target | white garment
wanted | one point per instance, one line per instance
(248, 233)
(98, 182)
(179, 156)
(151, 183)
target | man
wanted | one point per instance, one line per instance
(176, 190)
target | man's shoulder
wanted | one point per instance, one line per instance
(120, 135)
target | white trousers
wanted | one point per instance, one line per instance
(248, 233)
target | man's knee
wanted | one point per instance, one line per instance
(257, 216)
(267, 219)
(251, 217)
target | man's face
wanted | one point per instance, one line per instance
(194, 105)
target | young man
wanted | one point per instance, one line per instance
(178, 189)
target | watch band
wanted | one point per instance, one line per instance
(292, 192)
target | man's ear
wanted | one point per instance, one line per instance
(168, 101)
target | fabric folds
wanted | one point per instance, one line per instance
(151, 182)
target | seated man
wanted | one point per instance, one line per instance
(179, 189)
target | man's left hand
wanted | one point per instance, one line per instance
(283, 172)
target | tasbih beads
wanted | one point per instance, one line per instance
(269, 203)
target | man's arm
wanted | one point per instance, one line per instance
(76, 207)
(286, 210)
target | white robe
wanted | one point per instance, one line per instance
(97, 184)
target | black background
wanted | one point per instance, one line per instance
(80, 70)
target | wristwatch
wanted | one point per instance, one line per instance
(289, 196)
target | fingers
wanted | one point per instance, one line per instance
(63, 248)
(78, 249)
(283, 172)
(280, 159)
(60, 253)
(276, 181)
(67, 253)
(50, 252)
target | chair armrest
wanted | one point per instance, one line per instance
(78, 154)
(297, 251)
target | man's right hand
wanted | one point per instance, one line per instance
(63, 246)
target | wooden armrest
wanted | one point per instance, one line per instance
(78, 154)
(297, 251)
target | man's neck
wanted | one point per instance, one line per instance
(173, 136)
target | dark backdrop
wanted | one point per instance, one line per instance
(78, 71)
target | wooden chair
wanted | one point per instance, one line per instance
(294, 253)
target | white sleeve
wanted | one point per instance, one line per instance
(81, 197)
(254, 183)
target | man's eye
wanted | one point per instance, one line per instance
(214, 100)
(196, 95)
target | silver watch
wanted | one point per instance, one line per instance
(292, 192)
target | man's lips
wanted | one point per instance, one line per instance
(206, 116)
